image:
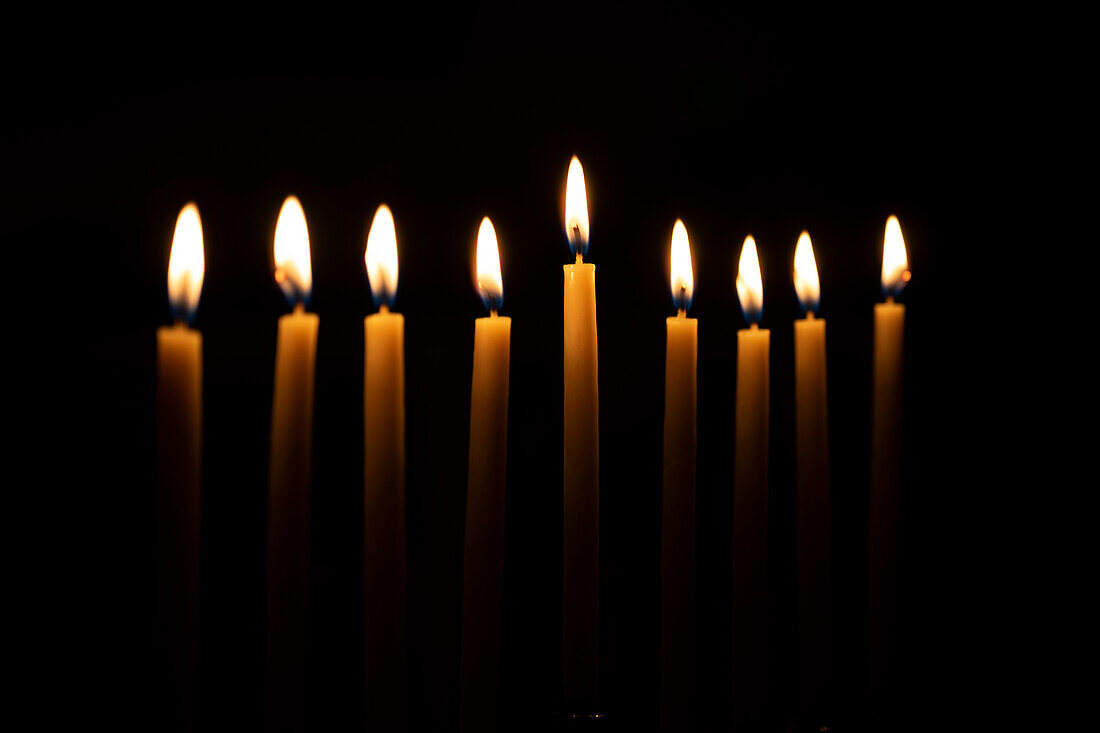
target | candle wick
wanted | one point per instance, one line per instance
(889, 299)
(180, 324)
(681, 313)
(580, 259)
(753, 327)
(809, 315)
(493, 313)
(299, 307)
(383, 308)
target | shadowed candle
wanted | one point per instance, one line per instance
(885, 475)
(811, 489)
(678, 497)
(384, 543)
(581, 468)
(751, 632)
(179, 479)
(483, 554)
(289, 476)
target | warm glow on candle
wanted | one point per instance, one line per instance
(750, 286)
(576, 208)
(682, 281)
(895, 261)
(806, 283)
(186, 264)
(293, 269)
(381, 257)
(489, 284)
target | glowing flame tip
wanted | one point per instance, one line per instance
(682, 280)
(186, 264)
(293, 266)
(576, 208)
(806, 283)
(895, 260)
(381, 257)
(489, 283)
(750, 286)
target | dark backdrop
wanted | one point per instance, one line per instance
(737, 119)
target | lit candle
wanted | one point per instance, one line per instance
(384, 549)
(811, 486)
(483, 557)
(750, 500)
(581, 470)
(678, 497)
(885, 459)
(289, 474)
(179, 471)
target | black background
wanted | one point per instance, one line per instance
(737, 119)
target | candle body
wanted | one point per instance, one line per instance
(581, 474)
(812, 515)
(178, 506)
(678, 527)
(384, 548)
(289, 482)
(483, 554)
(884, 488)
(750, 518)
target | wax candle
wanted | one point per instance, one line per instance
(384, 548)
(483, 555)
(179, 471)
(678, 497)
(811, 487)
(289, 475)
(750, 500)
(885, 461)
(581, 470)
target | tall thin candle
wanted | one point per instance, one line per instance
(179, 471)
(384, 539)
(885, 463)
(289, 476)
(581, 470)
(483, 555)
(750, 501)
(811, 488)
(678, 497)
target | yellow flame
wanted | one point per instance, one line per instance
(895, 262)
(293, 267)
(186, 263)
(576, 208)
(381, 256)
(806, 283)
(750, 286)
(489, 283)
(682, 279)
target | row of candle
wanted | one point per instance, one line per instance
(179, 445)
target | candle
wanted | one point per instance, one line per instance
(483, 556)
(289, 475)
(581, 470)
(885, 460)
(384, 549)
(179, 470)
(811, 486)
(678, 497)
(750, 500)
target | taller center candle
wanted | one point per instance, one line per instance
(289, 476)
(384, 548)
(750, 501)
(581, 469)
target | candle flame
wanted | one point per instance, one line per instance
(576, 208)
(750, 286)
(293, 267)
(186, 264)
(895, 261)
(806, 283)
(489, 283)
(682, 280)
(381, 257)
